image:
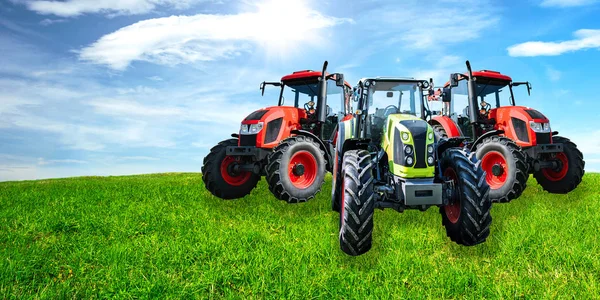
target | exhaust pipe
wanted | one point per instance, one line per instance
(473, 107)
(322, 100)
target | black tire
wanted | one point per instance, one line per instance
(358, 203)
(574, 174)
(213, 177)
(515, 171)
(439, 131)
(470, 223)
(280, 183)
(336, 195)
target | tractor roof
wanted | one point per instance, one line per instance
(306, 74)
(487, 74)
(393, 79)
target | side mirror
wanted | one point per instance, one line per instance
(528, 88)
(262, 88)
(447, 95)
(454, 79)
(339, 79)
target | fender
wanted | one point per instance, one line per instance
(483, 136)
(448, 124)
(353, 144)
(327, 150)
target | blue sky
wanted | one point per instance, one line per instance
(111, 87)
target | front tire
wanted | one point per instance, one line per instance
(218, 177)
(505, 165)
(358, 203)
(296, 169)
(467, 217)
(569, 176)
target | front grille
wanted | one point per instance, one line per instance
(272, 130)
(535, 114)
(520, 129)
(542, 138)
(247, 139)
(256, 115)
(418, 130)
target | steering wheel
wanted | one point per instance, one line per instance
(385, 110)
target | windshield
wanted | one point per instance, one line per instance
(299, 93)
(494, 93)
(397, 97)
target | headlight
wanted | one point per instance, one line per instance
(405, 136)
(430, 135)
(408, 149)
(547, 127)
(244, 129)
(409, 160)
(430, 149)
(430, 160)
(255, 128)
(539, 127)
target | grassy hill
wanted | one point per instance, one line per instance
(165, 236)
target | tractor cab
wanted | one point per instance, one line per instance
(493, 98)
(382, 97)
(299, 94)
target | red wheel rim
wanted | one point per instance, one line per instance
(233, 179)
(558, 175)
(452, 210)
(489, 160)
(309, 162)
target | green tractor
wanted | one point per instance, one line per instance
(387, 156)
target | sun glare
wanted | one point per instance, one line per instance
(287, 25)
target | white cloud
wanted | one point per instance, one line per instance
(584, 39)
(567, 3)
(48, 22)
(42, 161)
(72, 8)
(130, 108)
(205, 37)
(553, 74)
(155, 78)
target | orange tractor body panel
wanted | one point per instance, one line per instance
(290, 116)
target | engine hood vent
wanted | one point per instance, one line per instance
(257, 115)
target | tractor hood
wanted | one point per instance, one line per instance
(526, 126)
(407, 140)
(265, 127)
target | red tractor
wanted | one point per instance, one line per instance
(290, 145)
(511, 141)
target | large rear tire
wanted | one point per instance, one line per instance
(467, 217)
(439, 131)
(358, 203)
(296, 169)
(505, 165)
(570, 174)
(219, 178)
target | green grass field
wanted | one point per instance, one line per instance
(165, 236)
